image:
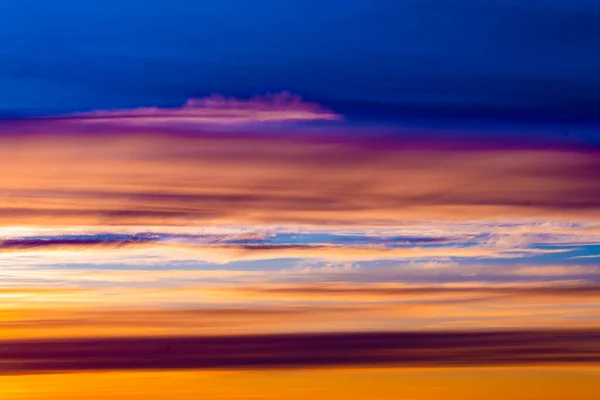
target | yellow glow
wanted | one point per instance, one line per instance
(426, 384)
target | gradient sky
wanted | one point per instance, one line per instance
(262, 199)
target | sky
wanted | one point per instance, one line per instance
(235, 199)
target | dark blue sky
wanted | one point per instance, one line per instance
(495, 60)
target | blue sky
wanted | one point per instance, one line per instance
(510, 61)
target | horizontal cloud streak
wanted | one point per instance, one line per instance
(418, 349)
(214, 110)
(163, 179)
(226, 253)
(152, 303)
(410, 292)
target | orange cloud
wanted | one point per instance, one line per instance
(199, 180)
(321, 291)
(181, 309)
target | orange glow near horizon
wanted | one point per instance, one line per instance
(493, 384)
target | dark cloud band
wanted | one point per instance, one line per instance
(415, 349)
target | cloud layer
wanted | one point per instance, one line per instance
(179, 179)
(418, 349)
(227, 217)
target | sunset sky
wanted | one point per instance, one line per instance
(262, 199)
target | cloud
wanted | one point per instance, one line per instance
(555, 270)
(339, 291)
(67, 243)
(150, 303)
(221, 316)
(586, 257)
(213, 110)
(226, 253)
(428, 243)
(169, 179)
(328, 268)
(372, 349)
(37, 291)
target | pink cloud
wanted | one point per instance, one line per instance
(215, 110)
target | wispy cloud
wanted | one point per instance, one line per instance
(213, 110)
